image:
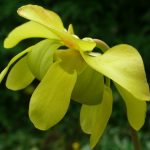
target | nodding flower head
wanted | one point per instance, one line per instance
(69, 68)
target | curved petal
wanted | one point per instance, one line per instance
(41, 57)
(73, 42)
(123, 64)
(19, 76)
(89, 87)
(3, 73)
(54, 24)
(93, 119)
(41, 15)
(13, 60)
(136, 109)
(27, 30)
(50, 100)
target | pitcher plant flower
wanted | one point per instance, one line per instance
(69, 68)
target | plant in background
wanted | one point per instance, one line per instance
(69, 68)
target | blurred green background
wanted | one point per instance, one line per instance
(117, 21)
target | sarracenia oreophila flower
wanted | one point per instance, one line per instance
(75, 72)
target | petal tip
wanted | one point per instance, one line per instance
(22, 9)
(38, 125)
(7, 44)
(136, 128)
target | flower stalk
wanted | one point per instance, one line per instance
(135, 139)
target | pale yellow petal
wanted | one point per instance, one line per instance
(3, 73)
(52, 21)
(13, 60)
(73, 42)
(71, 60)
(136, 109)
(123, 64)
(27, 30)
(19, 76)
(89, 87)
(93, 119)
(41, 15)
(41, 57)
(50, 100)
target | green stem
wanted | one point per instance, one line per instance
(135, 139)
(101, 45)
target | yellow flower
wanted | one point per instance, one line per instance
(75, 72)
(56, 67)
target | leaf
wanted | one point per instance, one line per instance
(50, 100)
(94, 118)
(41, 15)
(89, 87)
(20, 76)
(12, 61)
(136, 109)
(41, 57)
(123, 64)
(27, 30)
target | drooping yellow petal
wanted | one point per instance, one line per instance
(93, 119)
(89, 87)
(50, 100)
(20, 76)
(124, 65)
(41, 15)
(13, 60)
(27, 30)
(136, 109)
(41, 57)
